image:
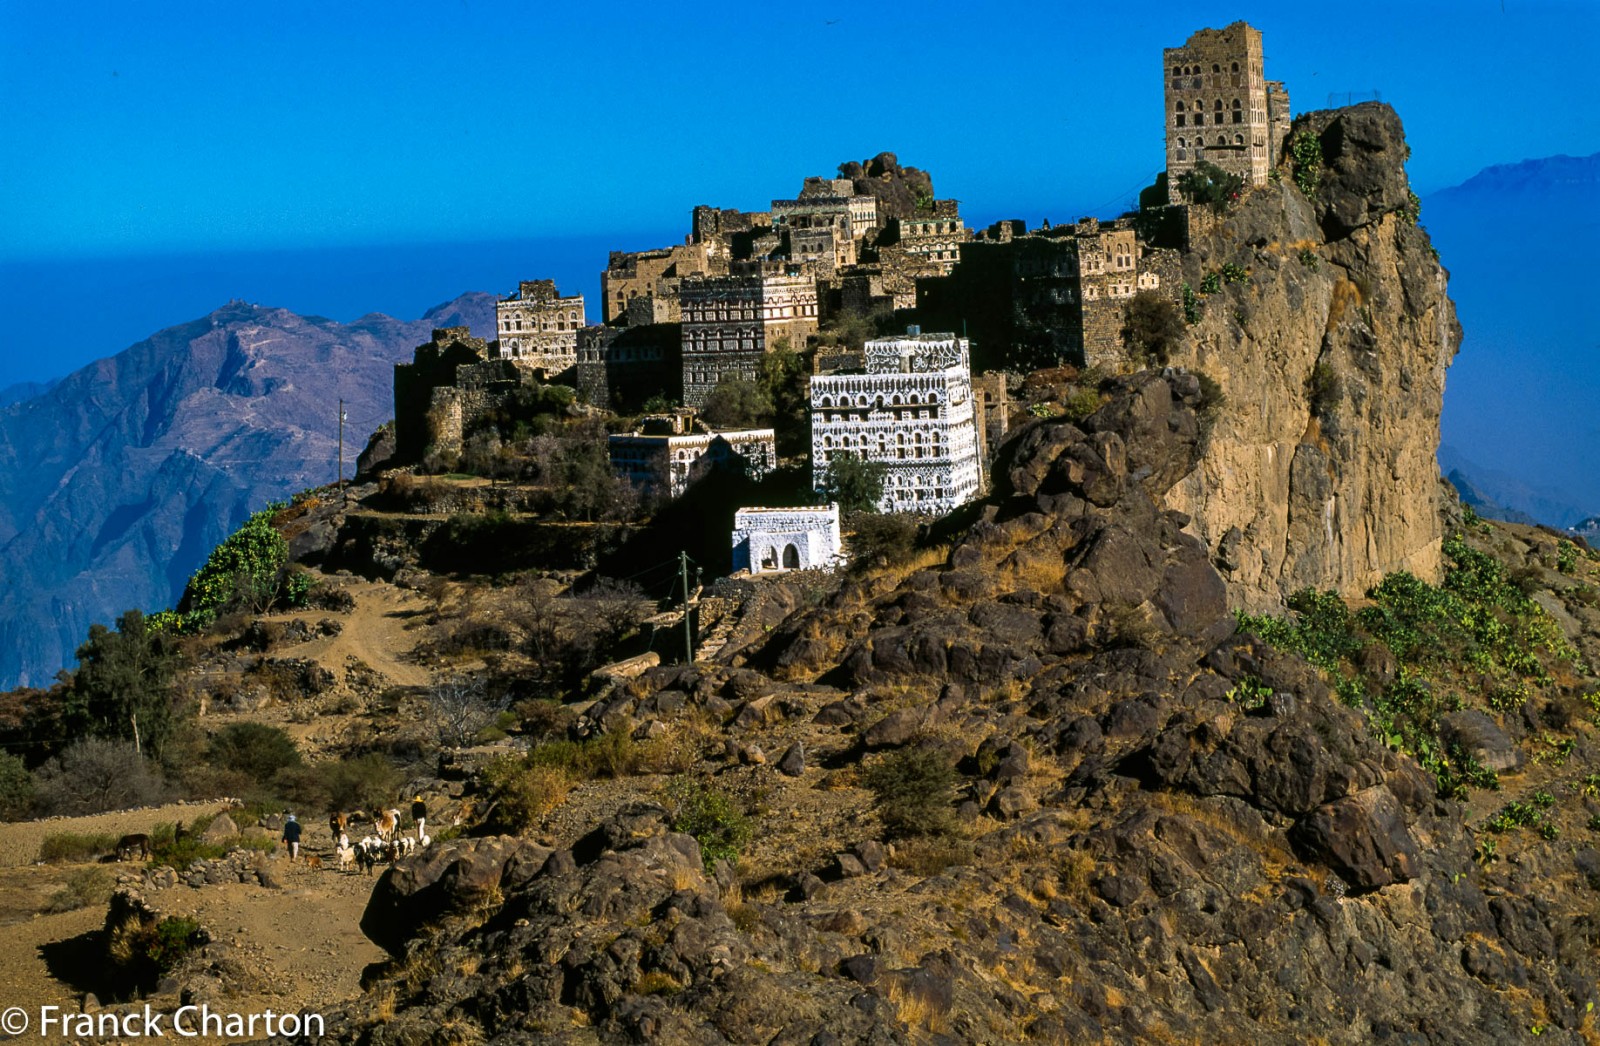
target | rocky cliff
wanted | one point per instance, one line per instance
(1329, 329)
(119, 479)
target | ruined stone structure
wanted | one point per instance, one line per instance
(730, 322)
(911, 408)
(538, 328)
(771, 540)
(450, 382)
(651, 276)
(670, 452)
(1220, 108)
(620, 368)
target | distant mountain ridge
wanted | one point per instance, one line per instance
(1518, 239)
(118, 480)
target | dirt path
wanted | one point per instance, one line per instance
(374, 632)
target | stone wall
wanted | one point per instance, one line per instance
(621, 368)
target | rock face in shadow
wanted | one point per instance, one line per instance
(121, 478)
(1321, 470)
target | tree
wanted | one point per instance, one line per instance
(856, 483)
(95, 775)
(1209, 184)
(736, 403)
(255, 750)
(242, 573)
(461, 709)
(1152, 328)
(782, 379)
(123, 685)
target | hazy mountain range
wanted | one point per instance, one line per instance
(1519, 407)
(119, 479)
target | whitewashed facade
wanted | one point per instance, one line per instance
(910, 408)
(664, 462)
(538, 328)
(770, 540)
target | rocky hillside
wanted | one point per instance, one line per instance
(120, 478)
(1328, 328)
(1148, 826)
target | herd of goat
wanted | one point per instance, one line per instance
(385, 845)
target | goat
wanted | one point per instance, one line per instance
(386, 823)
(128, 845)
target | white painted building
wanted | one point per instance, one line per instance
(662, 456)
(768, 540)
(910, 408)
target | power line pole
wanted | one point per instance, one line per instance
(688, 632)
(341, 448)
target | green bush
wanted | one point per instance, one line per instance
(521, 792)
(245, 572)
(173, 939)
(85, 888)
(1232, 273)
(1210, 185)
(856, 483)
(879, 539)
(256, 750)
(1191, 306)
(1152, 328)
(74, 847)
(1211, 283)
(1081, 403)
(710, 816)
(1305, 151)
(914, 788)
(1309, 258)
(16, 788)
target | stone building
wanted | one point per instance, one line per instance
(730, 322)
(820, 240)
(1054, 295)
(668, 453)
(621, 368)
(994, 401)
(829, 196)
(650, 277)
(771, 540)
(449, 383)
(911, 408)
(538, 328)
(935, 238)
(1220, 108)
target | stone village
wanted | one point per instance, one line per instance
(975, 308)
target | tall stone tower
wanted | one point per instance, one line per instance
(1220, 107)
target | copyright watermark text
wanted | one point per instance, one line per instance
(186, 1022)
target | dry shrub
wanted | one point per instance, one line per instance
(1345, 294)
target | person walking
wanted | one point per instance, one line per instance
(291, 836)
(419, 814)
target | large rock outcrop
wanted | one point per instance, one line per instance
(1321, 468)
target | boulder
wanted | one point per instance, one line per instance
(220, 830)
(445, 879)
(1477, 735)
(1362, 837)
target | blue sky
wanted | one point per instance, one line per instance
(174, 155)
(134, 128)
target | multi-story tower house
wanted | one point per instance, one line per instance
(932, 238)
(911, 408)
(1220, 108)
(539, 328)
(822, 240)
(651, 279)
(730, 322)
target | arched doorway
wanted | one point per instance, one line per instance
(791, 557)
